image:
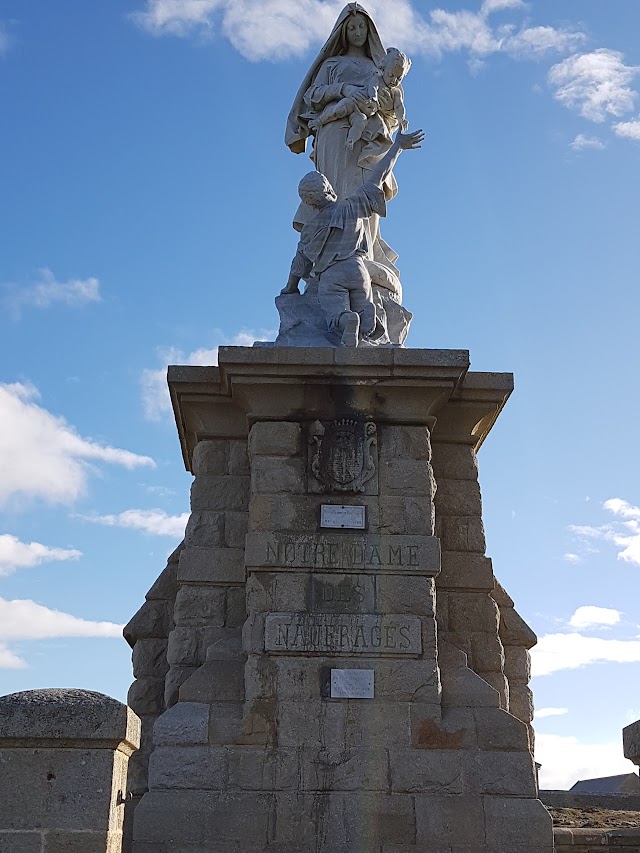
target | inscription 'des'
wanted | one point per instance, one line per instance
(348, 555)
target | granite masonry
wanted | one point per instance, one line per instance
(328, 663)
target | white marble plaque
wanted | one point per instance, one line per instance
(345, 517)
(352, 684)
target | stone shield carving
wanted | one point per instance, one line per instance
(343, 454)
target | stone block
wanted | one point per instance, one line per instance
(209, 492)
(280, 512)
(178, 767)
(501, 596)
(227, 645)
(406, 477)
(456, 820)
(176, 676)
(211, 457)
(426, 771)
(442, 729)
(462, 533)
(471, 612)
(20, 842)
(512, 823)
(499, 683)
(238, 458)
(200, 606)
(508, 774)
(152, 621)
(275, 439)
(406, 595)
(462, 571)
(149, 659)
(215, 681)
(364, 769)
(487, 653)
(455, 461)
(406, 515)
(323, 724)
(205, 529)
(277, 474)
(62, 788)
(164, 589)
(514, 631)
(236, 527)
(631, 742)
(517, 664)
(196, 817)
(81, 842)
(404, 442)
(146, 696)
(498, 730)
(259, 769)
(462, 688)
(458, 497)
(521, 703)
(225, 722)
(235, 607)
(212, 565)
(186, 724)
(338, 593)
(188, 646)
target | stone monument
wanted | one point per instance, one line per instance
(327, 663)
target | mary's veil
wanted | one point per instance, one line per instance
(297, 129)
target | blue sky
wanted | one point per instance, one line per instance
(145, 205)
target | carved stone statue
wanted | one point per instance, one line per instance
(350, 102)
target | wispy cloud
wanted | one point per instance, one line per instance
(565, 760)
(581, 142)
(589, 616)
(597, 85)
(27, 620)
(15, 554)
(46, 291)
(153, 381)
(275, 29)
(628, 129)
(5, 39)
(556, 652)
(42, 456)
(624, 534)
(153, 521)
(550, 712)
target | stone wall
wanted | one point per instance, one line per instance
(596, 840)
(64, 757)
(313, 701)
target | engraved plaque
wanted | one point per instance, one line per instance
(342, 594)
(345, 634)
(371, 553)
(352, 684)
(349, 517)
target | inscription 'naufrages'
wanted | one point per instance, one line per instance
(346, 554)
(349, 634)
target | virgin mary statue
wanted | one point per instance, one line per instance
(344, 68)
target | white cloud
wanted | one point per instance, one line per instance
(565, 760)
(153, 381)
(596, 84)
(153, 521)
(572, 558)
(274, 29)
(551, 712)
(47, 291)
(628, 129)
(589, 617)
(537, 42)
(42, 456)
(581, 142)
(15, 554)
(556, 652)
(623, 534)
(26, 620)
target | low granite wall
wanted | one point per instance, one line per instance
(596, 840)
(63, 760)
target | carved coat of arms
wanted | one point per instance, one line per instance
(343, 454)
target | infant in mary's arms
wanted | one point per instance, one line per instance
(379, 110)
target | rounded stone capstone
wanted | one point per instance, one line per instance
(65, 714)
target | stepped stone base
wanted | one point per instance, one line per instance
(307, 687)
